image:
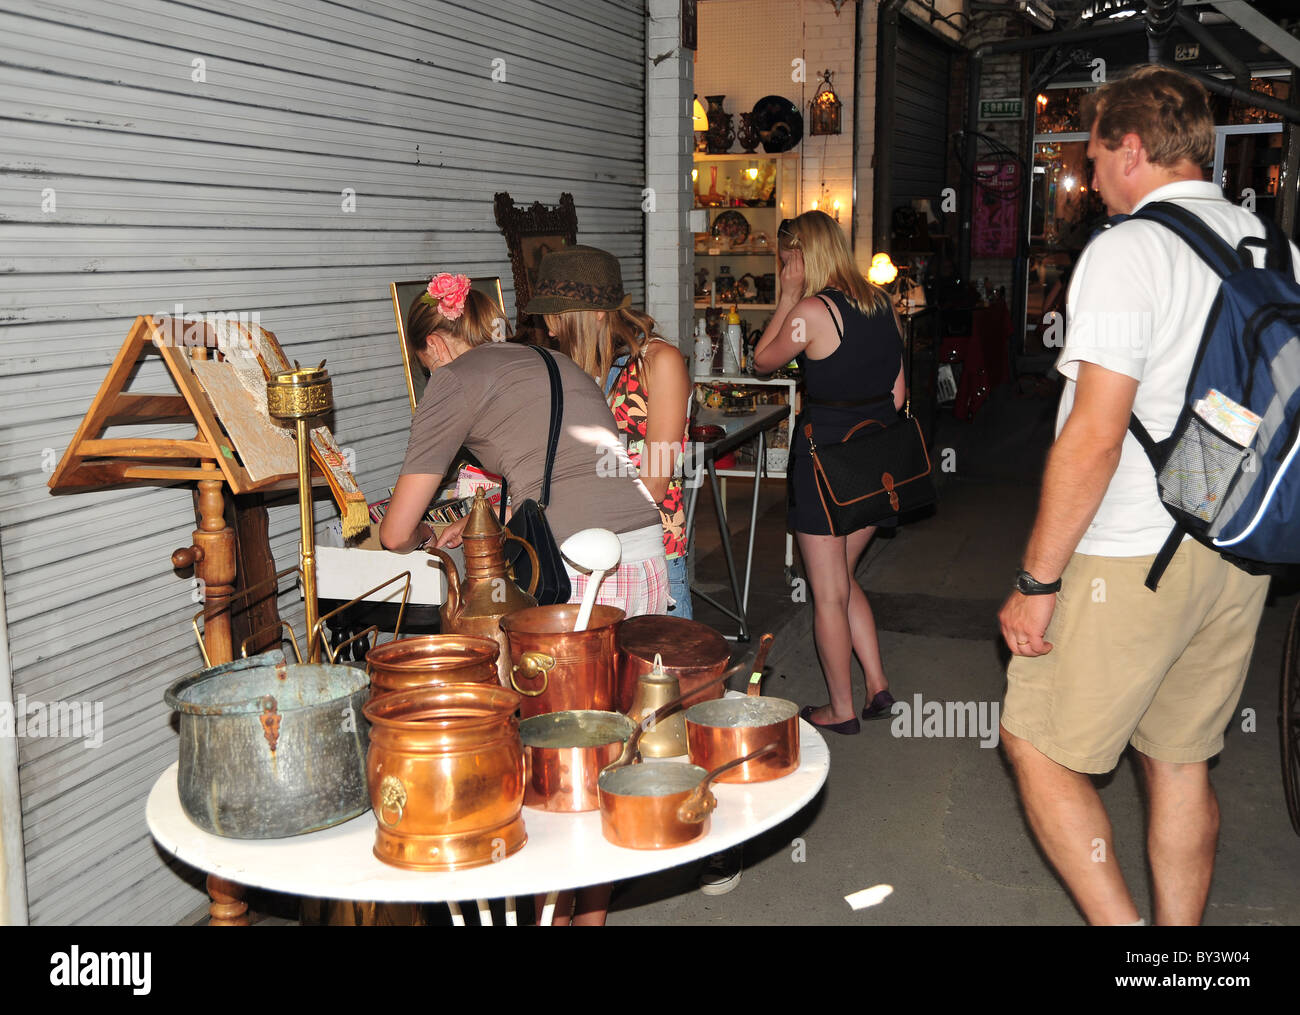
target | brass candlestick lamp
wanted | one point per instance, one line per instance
(298, 396)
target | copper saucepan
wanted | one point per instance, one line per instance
(718, 732)
(660, 805)
(564, 753)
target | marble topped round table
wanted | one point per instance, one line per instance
(563, 850)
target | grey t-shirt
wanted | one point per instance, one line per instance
(495, 400)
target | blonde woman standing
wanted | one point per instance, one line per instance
(844, 333)
(580, 294)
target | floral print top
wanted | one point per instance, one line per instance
(626, 394)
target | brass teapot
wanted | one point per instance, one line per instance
(476, 603)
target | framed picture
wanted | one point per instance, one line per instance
(531, 233)
(404, 294)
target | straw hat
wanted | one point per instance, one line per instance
(578, 278)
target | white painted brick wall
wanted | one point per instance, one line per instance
(668, 145)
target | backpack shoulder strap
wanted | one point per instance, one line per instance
(1209, 245)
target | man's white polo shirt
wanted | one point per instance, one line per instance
(1138, 302)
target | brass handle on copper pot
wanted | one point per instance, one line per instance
(700, 804)
(392, 796)
(535, 665)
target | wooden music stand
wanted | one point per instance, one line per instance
(213, 458)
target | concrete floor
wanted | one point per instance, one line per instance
(939, 819)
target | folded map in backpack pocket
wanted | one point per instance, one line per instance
(1234, 421)
(1199, 469)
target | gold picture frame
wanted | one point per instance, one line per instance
(403, 294)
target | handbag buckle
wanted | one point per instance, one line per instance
(887, 481)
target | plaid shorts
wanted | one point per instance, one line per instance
(636, 588)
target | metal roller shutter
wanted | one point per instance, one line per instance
(226, 194)
(919, 151)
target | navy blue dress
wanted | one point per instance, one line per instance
(864, 366)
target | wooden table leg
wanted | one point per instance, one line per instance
(228, 908)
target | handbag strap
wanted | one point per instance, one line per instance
(552, 438)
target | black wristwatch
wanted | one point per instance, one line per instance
(1028, 585)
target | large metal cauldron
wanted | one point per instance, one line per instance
(269, 748)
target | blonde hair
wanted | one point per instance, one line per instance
(827, 261)
(594, 342)
(481, 322)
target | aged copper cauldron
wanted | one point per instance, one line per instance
(446, 776)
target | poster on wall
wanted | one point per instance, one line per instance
(996, 209)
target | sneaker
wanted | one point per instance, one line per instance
(722, 872)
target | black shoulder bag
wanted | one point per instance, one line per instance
(528, 520)
(872, 473)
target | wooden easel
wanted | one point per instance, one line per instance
(209, 459)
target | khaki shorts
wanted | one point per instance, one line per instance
(1162, 670)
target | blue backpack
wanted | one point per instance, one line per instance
(1238, 497)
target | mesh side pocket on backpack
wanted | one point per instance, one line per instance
(1201, 466)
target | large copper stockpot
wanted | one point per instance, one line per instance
(692, 652)
(446, 776)
(564, 753)
(430, 660)
(659, 805)
(556, 668)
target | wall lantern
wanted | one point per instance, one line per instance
(825, 108)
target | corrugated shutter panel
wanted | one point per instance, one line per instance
(919, 152)
(226, 194)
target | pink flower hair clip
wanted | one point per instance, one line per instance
(449, 292)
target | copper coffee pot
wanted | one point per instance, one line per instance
(476, 603)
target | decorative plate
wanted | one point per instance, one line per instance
(731, 226)
(778, 122)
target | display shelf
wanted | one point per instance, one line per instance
(737, 184)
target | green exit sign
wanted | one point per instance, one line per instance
(1002, 109)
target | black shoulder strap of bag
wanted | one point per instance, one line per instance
(553, 438)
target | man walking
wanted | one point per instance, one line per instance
(1099, 661)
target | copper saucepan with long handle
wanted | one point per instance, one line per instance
(660, 805)
(718, 732)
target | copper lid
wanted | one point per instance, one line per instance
(683, 644)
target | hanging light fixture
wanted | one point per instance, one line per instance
(882, 270)
(825, 108)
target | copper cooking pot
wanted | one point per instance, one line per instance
(718, 732)
(564, 753)
(661, 804)
(692, 652)
(556, 668)
(445, 772)
(430, 660)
